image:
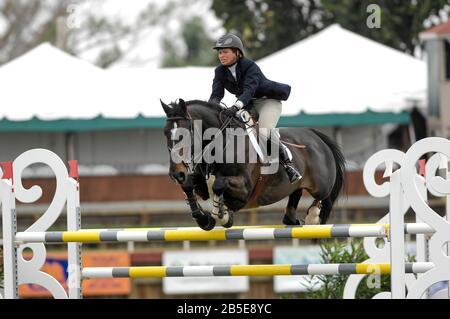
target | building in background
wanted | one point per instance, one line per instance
(437, 46)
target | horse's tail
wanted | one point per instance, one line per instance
(327, 204)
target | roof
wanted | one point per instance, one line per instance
(338, 71)
(50, 84)
(443, 28)
(439, 31)
(101, 123)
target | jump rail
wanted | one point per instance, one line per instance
(197, 234)
(249, 270)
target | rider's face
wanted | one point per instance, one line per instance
(227, 56)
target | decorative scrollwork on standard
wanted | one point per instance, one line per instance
(426, 213)
(30, 270)
(384, 157)
(378, 249)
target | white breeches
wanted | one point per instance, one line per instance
(269, 112)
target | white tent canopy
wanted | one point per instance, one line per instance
(334, 71)
(338, 71)
(50, 84)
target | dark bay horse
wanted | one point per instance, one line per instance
(237, 185)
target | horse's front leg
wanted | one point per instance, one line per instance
(229, 196)
(222, 215)
(202, 218)
(220, 212)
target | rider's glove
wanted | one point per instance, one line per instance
(239, 104)
(232, 110)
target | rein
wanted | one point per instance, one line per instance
(191, 129)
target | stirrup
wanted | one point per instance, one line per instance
(292, 172)
(294, 176)
(286, 162)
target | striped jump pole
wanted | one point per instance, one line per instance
(305, 232)
(197, 234)
(410, 228)
(249, 270)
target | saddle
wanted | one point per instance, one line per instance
(249, 122)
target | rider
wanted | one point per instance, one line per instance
(243, 77)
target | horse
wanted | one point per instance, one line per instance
(235, 186)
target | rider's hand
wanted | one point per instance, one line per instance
(239, 104)
(233, 110)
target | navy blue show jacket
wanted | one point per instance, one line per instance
(250, 83)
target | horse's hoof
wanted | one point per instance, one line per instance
(290, 222)
(230, 220)
(204, 220)
(210, 225)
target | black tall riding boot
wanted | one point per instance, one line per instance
(285, 161)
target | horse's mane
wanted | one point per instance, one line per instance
(206, 104)
(208, 107)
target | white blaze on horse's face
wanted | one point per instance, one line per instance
(179, 144)
(174, 131)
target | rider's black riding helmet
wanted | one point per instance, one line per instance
(229, 41)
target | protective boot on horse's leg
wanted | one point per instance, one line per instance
(313, 213)
(220, 212)
(202, 218)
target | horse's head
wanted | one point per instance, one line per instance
(177, 120)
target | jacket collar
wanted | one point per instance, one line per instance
(238, 72)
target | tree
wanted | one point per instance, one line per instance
(26, 24)
(197, 46)
(31, 22)
(109, 35)
(401, 21)
(267, 26)
(172, 57)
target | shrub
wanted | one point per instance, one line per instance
(332, 286)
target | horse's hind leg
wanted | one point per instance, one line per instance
(319, 211)
(290, 217)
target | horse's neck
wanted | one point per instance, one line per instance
(209, 118)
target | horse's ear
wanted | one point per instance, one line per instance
(165, 107)
(182, 105)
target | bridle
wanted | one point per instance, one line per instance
(189, 166)
(192, 165)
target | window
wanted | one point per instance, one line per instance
(447, 59)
